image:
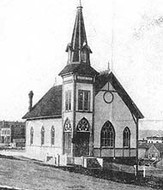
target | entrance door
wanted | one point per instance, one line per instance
(67, 143)
(67, 137)
(82, 144)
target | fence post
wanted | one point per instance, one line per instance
(143, 171)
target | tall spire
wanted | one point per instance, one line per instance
(78, 49)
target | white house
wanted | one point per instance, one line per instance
(89, 115)
(155, 139)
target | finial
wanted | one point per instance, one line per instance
(55, 82)
(80, 4)
(108, 66)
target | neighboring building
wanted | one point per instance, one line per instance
(10, 131)
(142, 141)
(89, 115)
(151, 151)
(155, 151)
(142, 149)
(155, 139)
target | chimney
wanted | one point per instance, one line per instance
(30, 100)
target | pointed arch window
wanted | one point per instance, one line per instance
(67, 126)
(107, 135)
(42, 136)
(52, 135)
(83, 125)
(31, 135)
(126, 137)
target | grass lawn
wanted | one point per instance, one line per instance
(26, 174)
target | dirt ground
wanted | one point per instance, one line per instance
(27, 175)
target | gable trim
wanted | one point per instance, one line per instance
(105, 77)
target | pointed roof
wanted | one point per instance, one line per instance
(105, 77)
(78, 49)
(80, 69)
(79, 38)
(159, 147)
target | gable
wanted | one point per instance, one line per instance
(105, 77)
(153, 149)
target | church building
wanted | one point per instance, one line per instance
(90, 115)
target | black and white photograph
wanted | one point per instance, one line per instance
(81, 102)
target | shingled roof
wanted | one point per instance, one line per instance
(80, 69)
(159, 147)
(144, 146)
(50, 105)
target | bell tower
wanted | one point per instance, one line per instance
(78, 50)
(78, 93)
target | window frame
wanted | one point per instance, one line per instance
(42, 136)
(68, 98)
(107, 136)
(52, 136)
(31, 135)
(83, 125)
(126, 137)
(83, 103)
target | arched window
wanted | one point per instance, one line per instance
(126, 137)
(83, 125)
(42, 135)
(67, 126)
(107, 135)
(52, 135)
(31, 135)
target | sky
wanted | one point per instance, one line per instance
(127, 34)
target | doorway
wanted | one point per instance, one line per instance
(82, 144)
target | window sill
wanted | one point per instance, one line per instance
(68, 111)
(126, 147)
(107, 147)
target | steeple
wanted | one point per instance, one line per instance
(78, 49)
